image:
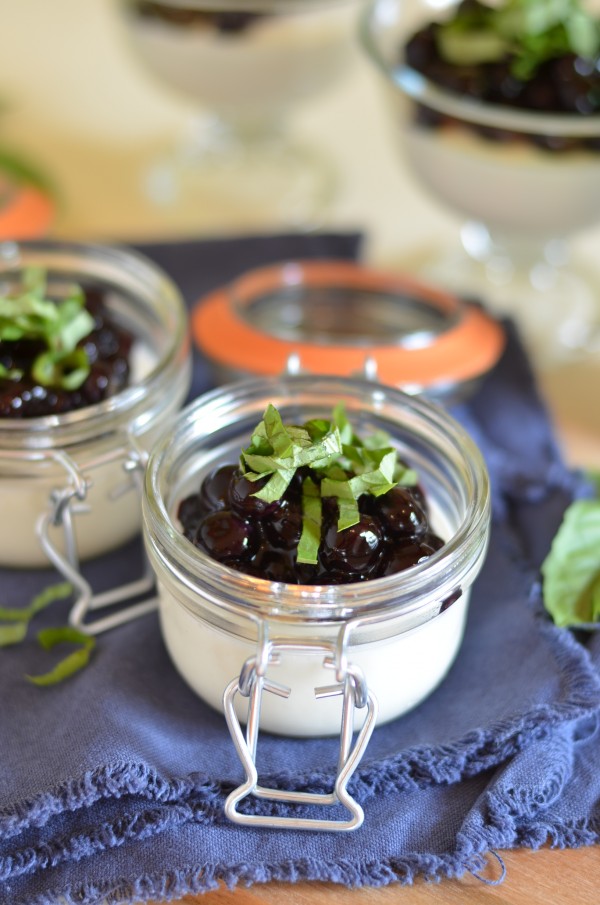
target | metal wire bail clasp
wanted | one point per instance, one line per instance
(252, 682)
(68, 501)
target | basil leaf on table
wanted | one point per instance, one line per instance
(49, 638)
(571, 571)
(18, 618)
(14, 623)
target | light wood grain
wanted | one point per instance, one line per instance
(545, 877)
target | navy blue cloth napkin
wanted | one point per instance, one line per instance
(112, 785)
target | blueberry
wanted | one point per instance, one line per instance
(224, 535)
(400, 512)
(354, 551)
(214, 491)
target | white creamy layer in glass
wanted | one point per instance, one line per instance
(403, 661)
(401, 671)
(255, 72)
(512, 185)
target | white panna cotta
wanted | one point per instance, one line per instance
(255, 71)
(521, 188)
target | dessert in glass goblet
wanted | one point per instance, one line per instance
(245, 63)
(499, 113)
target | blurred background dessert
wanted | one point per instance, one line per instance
(96, 128)
(497, 108)
(248, 63)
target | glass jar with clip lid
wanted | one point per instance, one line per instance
(70, 477)
(321, 659)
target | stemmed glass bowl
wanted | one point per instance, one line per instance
(523, 180)
(246, 64)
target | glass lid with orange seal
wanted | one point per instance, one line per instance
(345, 319)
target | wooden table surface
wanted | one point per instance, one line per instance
(95, 128)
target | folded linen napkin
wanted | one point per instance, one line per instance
(112, 785)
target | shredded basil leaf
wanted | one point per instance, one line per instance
(24, 614)
(312, 514)
(15, 623)
(345, 466)
(279, 450)
(17, 619)
(13, 633)
(71, 664)
(59, 325)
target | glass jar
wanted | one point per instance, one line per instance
(64, 478)
(389, 640)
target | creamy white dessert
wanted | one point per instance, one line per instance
(402, 629)
(401, 670)
(105, 520)
(513, 185)
(253, 73)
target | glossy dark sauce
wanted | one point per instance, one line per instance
(261, 539)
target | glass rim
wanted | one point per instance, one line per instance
(416, 86)
(373, 600)
(465, 345)
(300, 279)
(243, 5)
(95, 418)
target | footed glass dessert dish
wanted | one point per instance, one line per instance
(246, 63)
(498, 115)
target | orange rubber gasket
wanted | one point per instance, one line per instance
(465, 351)
(27, 215)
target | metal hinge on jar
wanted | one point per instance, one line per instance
(252, 683)
(65, 503)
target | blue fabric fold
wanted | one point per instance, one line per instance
(112, 785)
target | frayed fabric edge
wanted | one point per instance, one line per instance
(175, 884)
(473, 858)
(112, 781)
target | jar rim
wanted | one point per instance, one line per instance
(448, 344)
(263, 6)
(105, 264)
(404, 592)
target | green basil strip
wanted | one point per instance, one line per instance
(73, 663)
(571, 571)
(18, 618)
(23, 614)
(312, 516)
(13, 633)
